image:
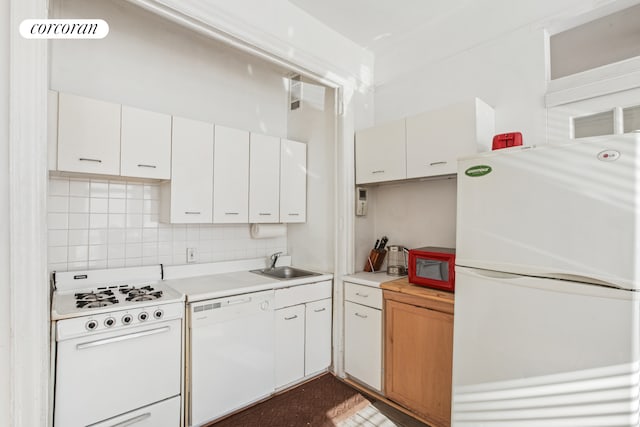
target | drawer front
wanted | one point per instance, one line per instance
(365, 295)
(303, 293)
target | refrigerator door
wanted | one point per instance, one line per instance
(568, 211)
(528, 352)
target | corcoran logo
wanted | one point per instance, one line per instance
(64, 28)
(478, 170)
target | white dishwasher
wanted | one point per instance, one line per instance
(232, 354)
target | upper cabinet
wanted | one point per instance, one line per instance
(231, 176)
(293, 181)
(88, 135)
(188, 198)
(380, 153)
(264, 179)
(425, 145)
(436, 139)
(145, 144)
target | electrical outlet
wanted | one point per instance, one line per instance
(192, 255)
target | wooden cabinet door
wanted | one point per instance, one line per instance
(231, 176)
(191, 187)
(418, 360)
(264, 179)
(290, 336)
(363, 344)
(88, 135)
(293, 181)
(380, 153)
(317, 354)
(145, 144)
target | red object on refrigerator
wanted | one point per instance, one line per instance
(505, 140)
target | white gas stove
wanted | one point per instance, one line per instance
(102, 319)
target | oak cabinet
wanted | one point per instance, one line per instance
(418, 355)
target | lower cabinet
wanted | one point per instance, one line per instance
(363, 334)
(418, 355)
(303, 332)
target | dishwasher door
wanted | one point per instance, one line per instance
(232, 354)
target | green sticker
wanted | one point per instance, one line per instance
(478, 170)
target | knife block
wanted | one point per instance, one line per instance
(375, 260)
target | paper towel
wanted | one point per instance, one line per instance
(265, 231)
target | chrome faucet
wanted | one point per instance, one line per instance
(274, 259)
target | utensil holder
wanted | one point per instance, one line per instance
(375, 260)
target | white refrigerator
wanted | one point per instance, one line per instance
(547, 311)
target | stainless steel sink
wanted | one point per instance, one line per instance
(284, 273)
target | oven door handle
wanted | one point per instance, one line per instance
(132, 421)
(121, 338)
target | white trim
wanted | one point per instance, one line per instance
(29, 288)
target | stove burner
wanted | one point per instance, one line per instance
(146, 293)
(96, 303)
(94, 296)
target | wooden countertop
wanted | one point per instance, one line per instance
(444, 301)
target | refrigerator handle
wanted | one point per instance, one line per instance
(492, 274)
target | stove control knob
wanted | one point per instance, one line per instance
(143, 316)
(158, 314)
(91, 325)
(109, 322)
(126, 319)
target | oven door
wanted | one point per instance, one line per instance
(105, 375)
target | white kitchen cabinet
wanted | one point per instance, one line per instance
(317, 344)
(290, 339)
(303, 331)
(436, 139)
(293, 181)
(52, 130)
(264, 179)
(380, 153)
(363, 334)
(145, 144)
(88, 135)
(231, 176)
(188, 198)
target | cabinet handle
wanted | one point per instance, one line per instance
(133, 420)
(86, 159)
(318, 310)
(437, 163)
(231, 213)
(379, 171)
(364, 316)
(295, 316)
(147, 166)
(362, 295)
(192, 213)
(294, 214)
(264, 214)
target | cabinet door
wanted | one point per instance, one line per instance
(293, 181)
(317, 354)
(52, 130)
(231, 176)
(88, 135)
(145, 144)
(191, 171)
(436, 139)
(363, 344)
(264, 178)
(421, 339)
(289, 344)
(380, 153)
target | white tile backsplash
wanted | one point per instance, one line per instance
(110, 224)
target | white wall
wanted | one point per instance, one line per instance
(151, 63)
(312, 244)
(5, 299)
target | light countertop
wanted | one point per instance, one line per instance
(370, 279)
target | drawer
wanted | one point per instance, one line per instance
(294, 295)
(365, 295)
